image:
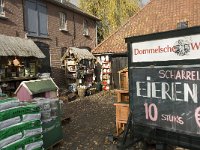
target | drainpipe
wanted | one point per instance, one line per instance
(74, 30)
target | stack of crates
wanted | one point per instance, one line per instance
(123, 79)
(122, 104)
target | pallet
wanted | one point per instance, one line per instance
(55, 144)
(65, 120)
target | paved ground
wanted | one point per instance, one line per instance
(92, 120)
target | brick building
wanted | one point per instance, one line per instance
(54, 25)
(156, 16)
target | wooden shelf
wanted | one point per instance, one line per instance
(72, 71)
(122, 95)
(106, 73)
(17, 79)
(71, 65)
(122, 112)
(105, 62)
(73, 78)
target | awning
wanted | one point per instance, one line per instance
(15, 46)
(78, 53)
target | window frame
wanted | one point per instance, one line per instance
(63, 21)
(85, 27)
(39, 13)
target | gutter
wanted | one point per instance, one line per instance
(73, 10)
(112, 54)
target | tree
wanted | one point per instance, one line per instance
(112, 13)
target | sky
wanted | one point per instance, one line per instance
(76, 1)
(145, 2)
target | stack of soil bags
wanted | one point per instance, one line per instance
(48, 107)
(20, 126)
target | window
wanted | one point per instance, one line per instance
(182, 25)
(2, 13)
(85, 28)
(36, 18)
(63, 21)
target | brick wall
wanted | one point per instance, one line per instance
(13, 25)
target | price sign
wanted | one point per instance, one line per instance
(197, 116)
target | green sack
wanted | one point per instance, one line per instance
(8, 100)
(20, 127)
(34, 146)
(10, 139)
(9, 122)
(8, 103)
(18, 111)
(20, 144)
(31, 117)
(32, 132)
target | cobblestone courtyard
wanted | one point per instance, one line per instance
(92, 119)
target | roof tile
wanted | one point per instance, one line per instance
(15, 46)
(156, 16)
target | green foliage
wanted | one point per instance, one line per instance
(112, 13)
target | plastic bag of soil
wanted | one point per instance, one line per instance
(18, 111)
(34, 146)
(32, 132)
(43, 103)
(18, 128)
(46, 116)
(8, 103)
(30, 117)
(20, 144)
(10, 139)
(9, 122)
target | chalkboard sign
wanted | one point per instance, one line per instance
(167, 98)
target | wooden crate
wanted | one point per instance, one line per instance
(122, 112)
(123, 79)
(122, 95)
